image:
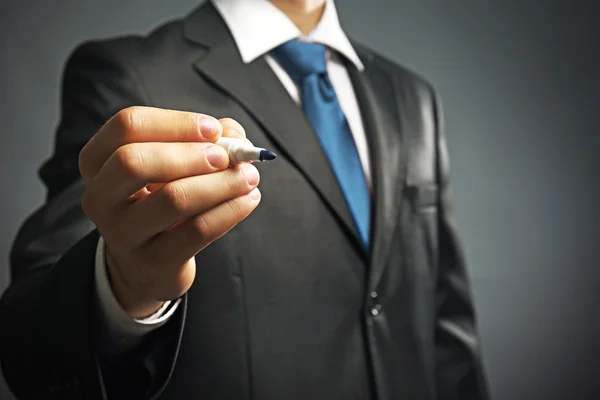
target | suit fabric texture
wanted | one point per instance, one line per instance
(289, 304)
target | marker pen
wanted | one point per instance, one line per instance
(240, 151)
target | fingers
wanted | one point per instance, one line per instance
(231, 128)
(133, 166)
(145, 124)
(194, 234)
(178, 200)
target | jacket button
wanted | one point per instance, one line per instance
(376, 309)
(374, 295)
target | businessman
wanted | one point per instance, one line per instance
(158, 270)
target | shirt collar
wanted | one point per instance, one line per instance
(257, 27)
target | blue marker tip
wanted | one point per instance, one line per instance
(266, 155)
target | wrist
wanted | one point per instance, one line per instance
(135, 306)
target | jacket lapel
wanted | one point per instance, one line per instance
(258, 90)
(381, 109)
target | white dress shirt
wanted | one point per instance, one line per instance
(257, 27)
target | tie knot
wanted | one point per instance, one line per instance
(300, 59)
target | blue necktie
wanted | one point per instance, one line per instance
(305, 64)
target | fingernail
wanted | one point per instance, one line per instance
(209, 127)
(251, 174)
(254, 194)
(216, 156)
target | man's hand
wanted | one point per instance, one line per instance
(159, 192)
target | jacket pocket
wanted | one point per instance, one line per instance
(423, 196)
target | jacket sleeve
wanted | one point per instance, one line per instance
(48, 347)
(459, 368)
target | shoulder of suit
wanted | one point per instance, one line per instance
(156, 46)
(392, 67)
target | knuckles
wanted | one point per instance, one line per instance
(176, 198)
(130, 120)
(236, 181)
(236, 208)
(129, 161)
(200, 228)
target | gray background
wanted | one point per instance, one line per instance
(520, 86)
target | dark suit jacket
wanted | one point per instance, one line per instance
(288, 305)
